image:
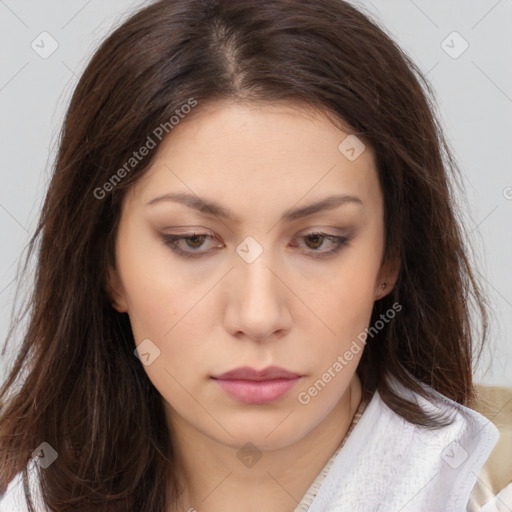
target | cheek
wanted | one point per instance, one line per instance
(164, 306)
(348, 298)
(158, 292)
(150, 304)
(154, 291)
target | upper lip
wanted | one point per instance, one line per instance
(248, 373)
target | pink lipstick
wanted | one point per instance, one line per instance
(251, 386)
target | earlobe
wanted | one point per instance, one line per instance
(383, 290)
(115, 291)
(387, 277)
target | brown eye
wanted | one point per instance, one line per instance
(196, 241)
(194, 244)
(315, 241)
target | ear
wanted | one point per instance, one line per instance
(115, 291)
(387, 276)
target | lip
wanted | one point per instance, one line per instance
(252, 386)
(248, 373)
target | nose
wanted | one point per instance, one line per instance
(259, 301)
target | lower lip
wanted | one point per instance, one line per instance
(257, 392)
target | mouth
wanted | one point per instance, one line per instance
(251, 386)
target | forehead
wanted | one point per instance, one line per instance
(260, 152)
(281, 128)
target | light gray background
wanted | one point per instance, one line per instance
(474, 93)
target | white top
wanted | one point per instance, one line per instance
(388, 464)
(14, 497)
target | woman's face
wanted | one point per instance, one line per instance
(254, 285)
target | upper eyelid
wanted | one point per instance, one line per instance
(191, 231)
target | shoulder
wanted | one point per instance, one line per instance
(468, 435)
(452, 456)
(13, 500)
(398, 465)
(14, 497)
(494, 486)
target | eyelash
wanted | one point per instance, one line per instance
(172, 242)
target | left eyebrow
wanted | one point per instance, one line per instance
(210, 207)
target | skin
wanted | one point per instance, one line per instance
(288, 307)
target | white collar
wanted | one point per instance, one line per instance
(388, 464)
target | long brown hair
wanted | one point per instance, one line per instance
(84, 392)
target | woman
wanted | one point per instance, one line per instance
(252, 288)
